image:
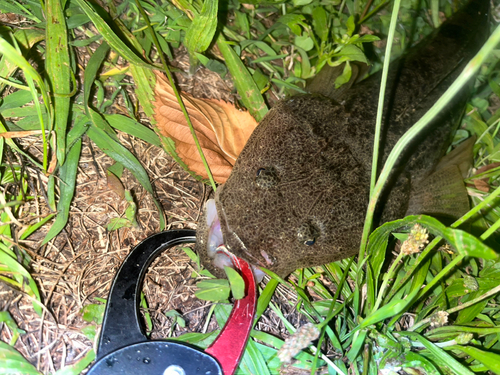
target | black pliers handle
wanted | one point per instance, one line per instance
(123, 346)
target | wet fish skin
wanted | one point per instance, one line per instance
(298, 193)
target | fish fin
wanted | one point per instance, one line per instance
(461, 156)
(323, 83)
(441, 194)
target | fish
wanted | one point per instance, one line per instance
(298, 193)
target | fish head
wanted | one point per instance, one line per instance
(298, 192)
(297, 195)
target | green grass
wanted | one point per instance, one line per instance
(380, 316)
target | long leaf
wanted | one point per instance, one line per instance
(32, 76)
(109, 142)
(245, 85)
(253, 361)
(12, 362)
(59, 71)
(445, 360)
(110, 36)
(145, 81)
(132, 127)
(489, 359)
(388, 311)
(120, 154)
(21, 275)
(265, 298)
(469, 71)
(67, 177)
(13, 55)
(91, 69)
(381, 98)
(202, 29)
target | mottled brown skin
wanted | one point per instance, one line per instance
(298, 193)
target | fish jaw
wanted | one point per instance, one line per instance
(210, 244)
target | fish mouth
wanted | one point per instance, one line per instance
(215, 244)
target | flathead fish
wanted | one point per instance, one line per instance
(298, 193)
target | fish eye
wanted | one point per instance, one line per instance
(308, 233)
(266, 178)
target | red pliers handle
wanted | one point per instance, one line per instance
(230, 344)
(124, 348)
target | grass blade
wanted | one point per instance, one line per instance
(15, 100)
(265, 298)
(12, 362)
(120, 154)
(67, 176)
(23, 279)
(445, 360)
(490, 360)
(381, 97)
(91, 69)
(110, 36)
(245, 85)
(32, 76)
(33, 228)
(26, 38)
(58, 71)
(105, 138)
(468, 72)
(145, 81)
(179, 100)
(253, 361)
(202, 29)
(132, 127)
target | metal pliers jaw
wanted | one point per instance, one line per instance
(124, 348)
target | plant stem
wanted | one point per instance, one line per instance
(477, 208)
(381, 96)
(471, 68)
(387, 277)
(459, 307)
(459, 258)
(177, 94)
(327, 360)
(457, 223)
(420, 260)
(441, 274)
(378, 128)
(490, 230)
